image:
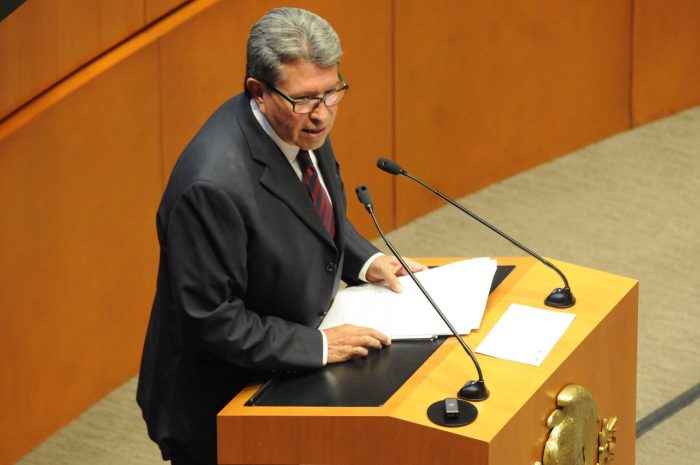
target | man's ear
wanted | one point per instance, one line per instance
(255, 88)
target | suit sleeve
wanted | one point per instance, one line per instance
(206, 247)
(357, 251)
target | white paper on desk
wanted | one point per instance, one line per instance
(525, 334)
(460, 290)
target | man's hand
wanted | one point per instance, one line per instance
(349, 341)
(387, 268)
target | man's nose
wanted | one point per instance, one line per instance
(320, 112)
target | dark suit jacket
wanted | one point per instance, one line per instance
(247, 269)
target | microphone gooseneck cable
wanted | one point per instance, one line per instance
(472, 390)
(561, 297)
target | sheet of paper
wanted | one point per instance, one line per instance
(525, 334)
(460, 290)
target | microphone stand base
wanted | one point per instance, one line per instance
(467, 414)
(560, 298)
(474, 391)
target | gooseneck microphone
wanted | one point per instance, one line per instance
(473, 390)
(560, 297)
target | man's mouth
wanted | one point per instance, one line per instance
(313, 132)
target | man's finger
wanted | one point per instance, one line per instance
(378, 335)
(359, 352)
(393, 282)
(347, 353)
(414, 266)
(371, 342)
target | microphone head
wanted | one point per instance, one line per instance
(363, 195)
(389, 166)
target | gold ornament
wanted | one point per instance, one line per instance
(574, 438)
(606, 441)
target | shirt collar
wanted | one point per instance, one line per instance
(290, 151)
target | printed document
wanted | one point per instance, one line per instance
(525, 334)
(459, 289)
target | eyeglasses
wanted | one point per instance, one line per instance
(305, 105)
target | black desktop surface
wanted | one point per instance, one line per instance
(361, 382)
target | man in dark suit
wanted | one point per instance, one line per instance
(254, 241)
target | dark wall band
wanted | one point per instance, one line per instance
(8, 6)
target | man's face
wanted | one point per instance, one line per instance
(301, 79)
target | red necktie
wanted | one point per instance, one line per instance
(318, 194)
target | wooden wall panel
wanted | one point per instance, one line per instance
(485, 90)
(666, 58)
(157, 8)
(44, 41)
(79, 186)
(203, 64)
(364, 128)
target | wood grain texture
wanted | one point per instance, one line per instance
(155, 9)
(44, 41)
(598, 350)
(79, 185)
(486, 90)
(666, 58)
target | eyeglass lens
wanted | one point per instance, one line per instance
(330, 100)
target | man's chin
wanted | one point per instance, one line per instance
(313, 144)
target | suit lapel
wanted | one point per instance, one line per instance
(278, 177)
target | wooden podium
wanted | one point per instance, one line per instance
(598, 351)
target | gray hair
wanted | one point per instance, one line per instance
(286, 34)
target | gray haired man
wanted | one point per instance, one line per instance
(254, 241)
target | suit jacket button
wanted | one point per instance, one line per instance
(331, 267)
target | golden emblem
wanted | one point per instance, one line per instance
(575, 438)
(606, 441)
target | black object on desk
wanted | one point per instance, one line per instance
(361, 382)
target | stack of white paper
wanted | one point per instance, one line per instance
(460, 290)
